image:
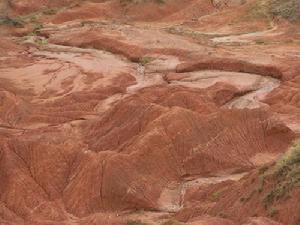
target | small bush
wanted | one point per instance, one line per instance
(49, 11)
(42, 42)
(260, 42)
(145, 60)
(16, 22)
(37, 29)
(216, 196)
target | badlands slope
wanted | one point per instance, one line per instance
(149, 112)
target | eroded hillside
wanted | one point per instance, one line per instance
(149, 112)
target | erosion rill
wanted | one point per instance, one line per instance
(149, 112)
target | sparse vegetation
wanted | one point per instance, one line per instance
(286, 173)
(263, 169)
(261, 183)
(145, 60)
(20, 21)
(260, 42)
(42, 42)
(202, 37)
(290, 162)
(216, 196)
(246, 199)
(16, 22)
(48, 11)
(37, 29)
(273, 212)
(288, 9)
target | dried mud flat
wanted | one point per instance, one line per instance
(146, 113)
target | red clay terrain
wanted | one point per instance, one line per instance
(149, 112)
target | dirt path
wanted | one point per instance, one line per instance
(249, 37)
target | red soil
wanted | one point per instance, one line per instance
(114, 112)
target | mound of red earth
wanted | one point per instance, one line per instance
(270, 191)
(147, 113)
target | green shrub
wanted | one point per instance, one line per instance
(286, 173)
(145, 60)
(290, 162)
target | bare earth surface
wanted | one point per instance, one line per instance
(144, 112)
